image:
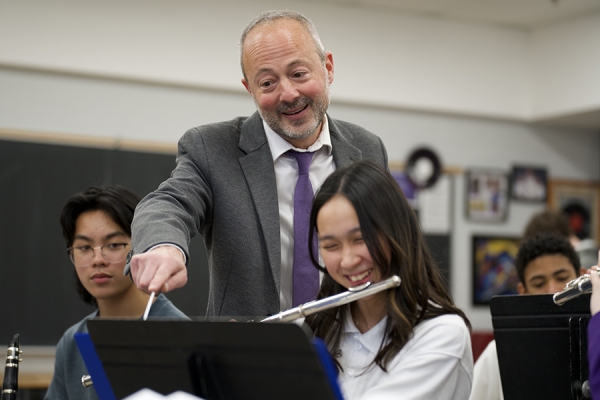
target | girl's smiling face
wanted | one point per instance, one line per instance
(343, 249)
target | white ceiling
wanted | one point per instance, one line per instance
(522, 14)
(514, 14)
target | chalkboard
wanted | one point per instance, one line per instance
(439, 246)
(37, 280)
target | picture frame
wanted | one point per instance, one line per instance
(487, 194)
(494, 270)
(580, 200)
(529, 184)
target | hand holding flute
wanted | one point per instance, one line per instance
(595, 300)
(575, 288)
(586, 283)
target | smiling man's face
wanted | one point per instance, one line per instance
(287, 80)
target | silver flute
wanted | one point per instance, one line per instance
(337, 300)
(573, 289)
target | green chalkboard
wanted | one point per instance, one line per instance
(37, 283)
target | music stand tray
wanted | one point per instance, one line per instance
(542, 347)
(212, 360)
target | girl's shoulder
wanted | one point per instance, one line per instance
(450, 323)
(446, 333)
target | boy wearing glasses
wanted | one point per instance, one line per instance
(96, 225)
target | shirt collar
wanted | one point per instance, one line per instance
(371, 339)
(279, 145)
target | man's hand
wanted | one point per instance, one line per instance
(160, 270)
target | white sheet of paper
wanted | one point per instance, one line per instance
(147, 394)
(182, 396)
(435, 206)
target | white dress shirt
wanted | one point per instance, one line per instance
(436, 363)
(286, 175)
(487, 384)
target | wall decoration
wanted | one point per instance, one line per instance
(580, 200)
(529, 183)
(494, 271)
(407, 186)
(423, 167)
(487, 195)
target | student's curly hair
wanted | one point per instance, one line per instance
(545, 244)
(119, 203)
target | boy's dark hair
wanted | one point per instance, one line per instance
(119, 203)
(545, 244)
(547, 221)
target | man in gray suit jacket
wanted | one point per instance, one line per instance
(234, 180)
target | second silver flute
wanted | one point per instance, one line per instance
(574, 288)
(351, 295)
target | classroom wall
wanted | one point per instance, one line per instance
(119, 71)
(565, 67)
(410, 61)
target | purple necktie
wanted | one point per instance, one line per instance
(305, 275)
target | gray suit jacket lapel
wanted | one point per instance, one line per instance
(344, 153)
(257, 164)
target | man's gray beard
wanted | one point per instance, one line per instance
(319, 108)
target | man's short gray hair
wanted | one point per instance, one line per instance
(268, 17)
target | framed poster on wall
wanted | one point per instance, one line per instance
(580, 201)
(487, 195)
(494, 271)
(529, 184)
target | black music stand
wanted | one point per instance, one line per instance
(213, 360)
(542, 347)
